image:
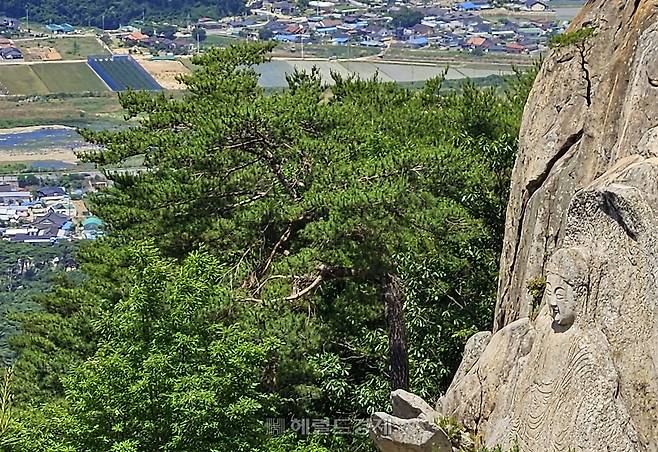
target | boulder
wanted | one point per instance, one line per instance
(411, 428)
(408, 406)
(392, 434)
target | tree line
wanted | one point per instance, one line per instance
(112, 13)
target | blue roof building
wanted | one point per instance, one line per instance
(420, 41)
(61, 28)
(286, 38)
(468, 6)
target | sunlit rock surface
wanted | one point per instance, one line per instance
(578, 369)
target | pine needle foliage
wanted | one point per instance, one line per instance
(308, 203)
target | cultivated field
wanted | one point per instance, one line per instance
(69, 78)
(121, 72)
(44, 78)
(70, 48)
(20, 79)
(37, 155)
(273, 73)
(165, 72)
(73, 111)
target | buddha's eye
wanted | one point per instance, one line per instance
(560, 293)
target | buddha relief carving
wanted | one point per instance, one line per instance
(567, 280)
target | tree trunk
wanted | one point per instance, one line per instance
(397, 339)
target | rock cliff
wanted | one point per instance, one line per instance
(592, 105)
(578, 369)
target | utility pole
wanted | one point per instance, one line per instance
(27, 17)
(103, 21)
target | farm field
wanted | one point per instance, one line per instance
(434, 55)
(103, 110)
(273, 73)
(70, 48)
(45, 78)
(20, 79)
(323, 51)
(121, 72)
(69, 78)
(165, 72)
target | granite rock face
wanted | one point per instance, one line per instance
(591, 106)
(578, 371)
(583, 375)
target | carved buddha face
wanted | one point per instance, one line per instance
(566, 285)
(561, 300)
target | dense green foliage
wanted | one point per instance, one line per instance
(278, 228)
(407, 18)
(114, 13)
(174, 362)
(26, 271)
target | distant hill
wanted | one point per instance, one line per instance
(116, 12)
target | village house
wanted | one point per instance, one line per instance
(515, 47)
(92, 228)
(66, 209)
(537, 5)
(10, 196)
(50, 228)
(10, 53)
(136, 37)
(9, 23)
(209, 24)
(60, 28)
(479, 43)
(52, 195)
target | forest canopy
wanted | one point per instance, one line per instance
(289, 254)
(114, 13)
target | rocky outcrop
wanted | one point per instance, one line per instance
(591, 106)
(579, 371)
(412, 427)
(583, 376)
